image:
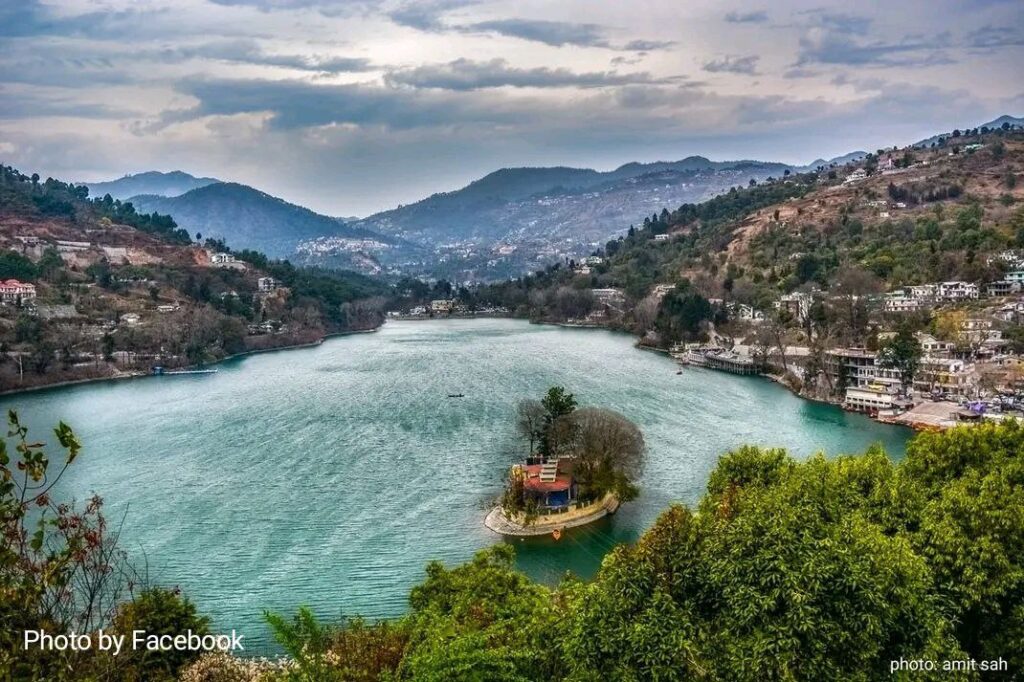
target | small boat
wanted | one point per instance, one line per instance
(456, 395)
(679, 372)
(557, 533)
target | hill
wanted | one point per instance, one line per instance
(247, 218)
(514, 204)
(1004, 122)
(109, 291)
(152, 182)
(913, 216)
(516, 220)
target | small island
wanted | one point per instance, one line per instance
(581, 465)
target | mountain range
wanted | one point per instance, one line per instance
(503, 224)
(170, 184)
(245, 217)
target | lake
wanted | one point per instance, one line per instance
(330, 476)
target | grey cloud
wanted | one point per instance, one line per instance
(729, 64)
(648, 45)
(988, 37)
(425, 15)
(249, 52)
(325, 7)
(555, 33)
(837, 47)
(465, 74)
(755, 17)
(299, 104)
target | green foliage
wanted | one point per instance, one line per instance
(903, 353)
(158, 611)
(483, 622)
(15, 266)
(306, 641)
(815, 570)
(681, 313)
(557, 403)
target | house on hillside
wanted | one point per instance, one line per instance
(957, 291)
(609, 296)
(15, 292)
(859, 174)
(797, 304)
(442, 306)
(266, 284)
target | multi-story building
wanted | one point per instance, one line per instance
(944, 375)
(957, 291)
(14, 291)
(797, 304)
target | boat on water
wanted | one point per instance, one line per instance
(162, 371)
(456, 395)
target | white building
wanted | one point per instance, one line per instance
(266, 284)
(1016, 277)
(871, 399)
(798, 304)
(661, 289)
(14, 291)
(608, 296)
(902, 301)
(944, 375)
(442, 305)
(662, 237)
(859, 174)
(957, 291)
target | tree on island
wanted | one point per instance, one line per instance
(606, 449)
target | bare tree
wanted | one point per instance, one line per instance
(530, 421)
(608, 452)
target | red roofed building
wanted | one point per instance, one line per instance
(550, 483)
(13, 291)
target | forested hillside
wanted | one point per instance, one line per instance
(940, 213)
(247, 218)
(107, 290)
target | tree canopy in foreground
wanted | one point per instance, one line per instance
(784, 570)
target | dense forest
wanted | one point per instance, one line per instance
(784, 570)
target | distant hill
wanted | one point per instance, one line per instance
(1012, 121)
(246, 218)
(170, 184)
(835, 161)
(517, 204)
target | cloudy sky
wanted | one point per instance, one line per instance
(352, 106)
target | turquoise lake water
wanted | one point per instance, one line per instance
(330, 476)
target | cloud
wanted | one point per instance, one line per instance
(300, 104)
(331, 8)
(425, 15)
(249, 52)
(755, 17)
(747, 65)
(836, 39)
(555, 33)
(988, 37)
(648, 45)
(465, 74)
